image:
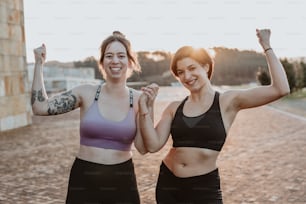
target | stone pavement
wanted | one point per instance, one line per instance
(263, 160)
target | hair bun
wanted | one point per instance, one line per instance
(118, 33)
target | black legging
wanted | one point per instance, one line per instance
(203, 189)
(97, 183)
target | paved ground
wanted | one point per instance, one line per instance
(263, 160)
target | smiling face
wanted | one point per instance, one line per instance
(115, 62)
(192, 74)
(120, 54)
(200, 56)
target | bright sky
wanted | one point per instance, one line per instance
(74, 29)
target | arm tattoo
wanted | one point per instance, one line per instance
(37, 95)
(61, 104)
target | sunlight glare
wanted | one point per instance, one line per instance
(211, 52)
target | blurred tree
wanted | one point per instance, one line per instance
(289, 68)
(153, 66)
(303, 67)
(235, 67)
(89, 62)
(232, 67)
(297, 66)
(263, 76)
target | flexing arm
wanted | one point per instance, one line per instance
(279, 86)
(153, 138)
(41, 104)
(279, 80)
(148, 97)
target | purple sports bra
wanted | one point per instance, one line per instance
(97, 131)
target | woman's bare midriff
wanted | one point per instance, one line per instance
(103, 156)
(190, 161)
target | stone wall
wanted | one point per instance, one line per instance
(15, 109)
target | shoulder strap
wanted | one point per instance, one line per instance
(98, 92)
(180, 107)
(131, 98)
(216, 100)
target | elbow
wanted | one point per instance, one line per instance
(37, 111)
(34, 110)
(284, 91)
(142, 151)
(146, 151)
(152, 150)
(281, 91)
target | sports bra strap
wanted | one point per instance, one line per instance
(99, 90)
(131, 98)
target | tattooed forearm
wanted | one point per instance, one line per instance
(61, 104)
(37, 95)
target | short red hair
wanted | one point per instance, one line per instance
(200, 55)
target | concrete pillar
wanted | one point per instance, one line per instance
(15, 108)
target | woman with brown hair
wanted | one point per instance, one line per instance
(103, 171)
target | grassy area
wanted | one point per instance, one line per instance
(294, 103)
(301, 94)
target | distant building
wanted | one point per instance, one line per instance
(58, 79)
(15, 108)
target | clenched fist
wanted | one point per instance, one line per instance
(264, 38)
(40, 54)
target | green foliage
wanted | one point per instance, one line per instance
(235, 67)
(263, 76)
(289, 69)
(296, 74)
(89, 62)
(232, 67)
(303, 67)
(154, 68)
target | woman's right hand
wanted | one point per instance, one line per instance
(264, 37)
(149, 94)
(40, 54)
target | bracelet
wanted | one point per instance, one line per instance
(268, 49)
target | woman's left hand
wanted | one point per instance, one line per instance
(151, 92)
(264, 37)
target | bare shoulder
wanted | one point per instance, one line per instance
(136, 93)
(172, 107)
(228, 100)
(87, 87)
(174, 104)
(86, 92)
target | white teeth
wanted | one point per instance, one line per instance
(190, 82)
(115, 69)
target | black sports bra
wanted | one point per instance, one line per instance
(203, 131)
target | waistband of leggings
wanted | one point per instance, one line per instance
(124, 163)
(212, 173)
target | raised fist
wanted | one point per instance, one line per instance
(40, 54)
(264, 37)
